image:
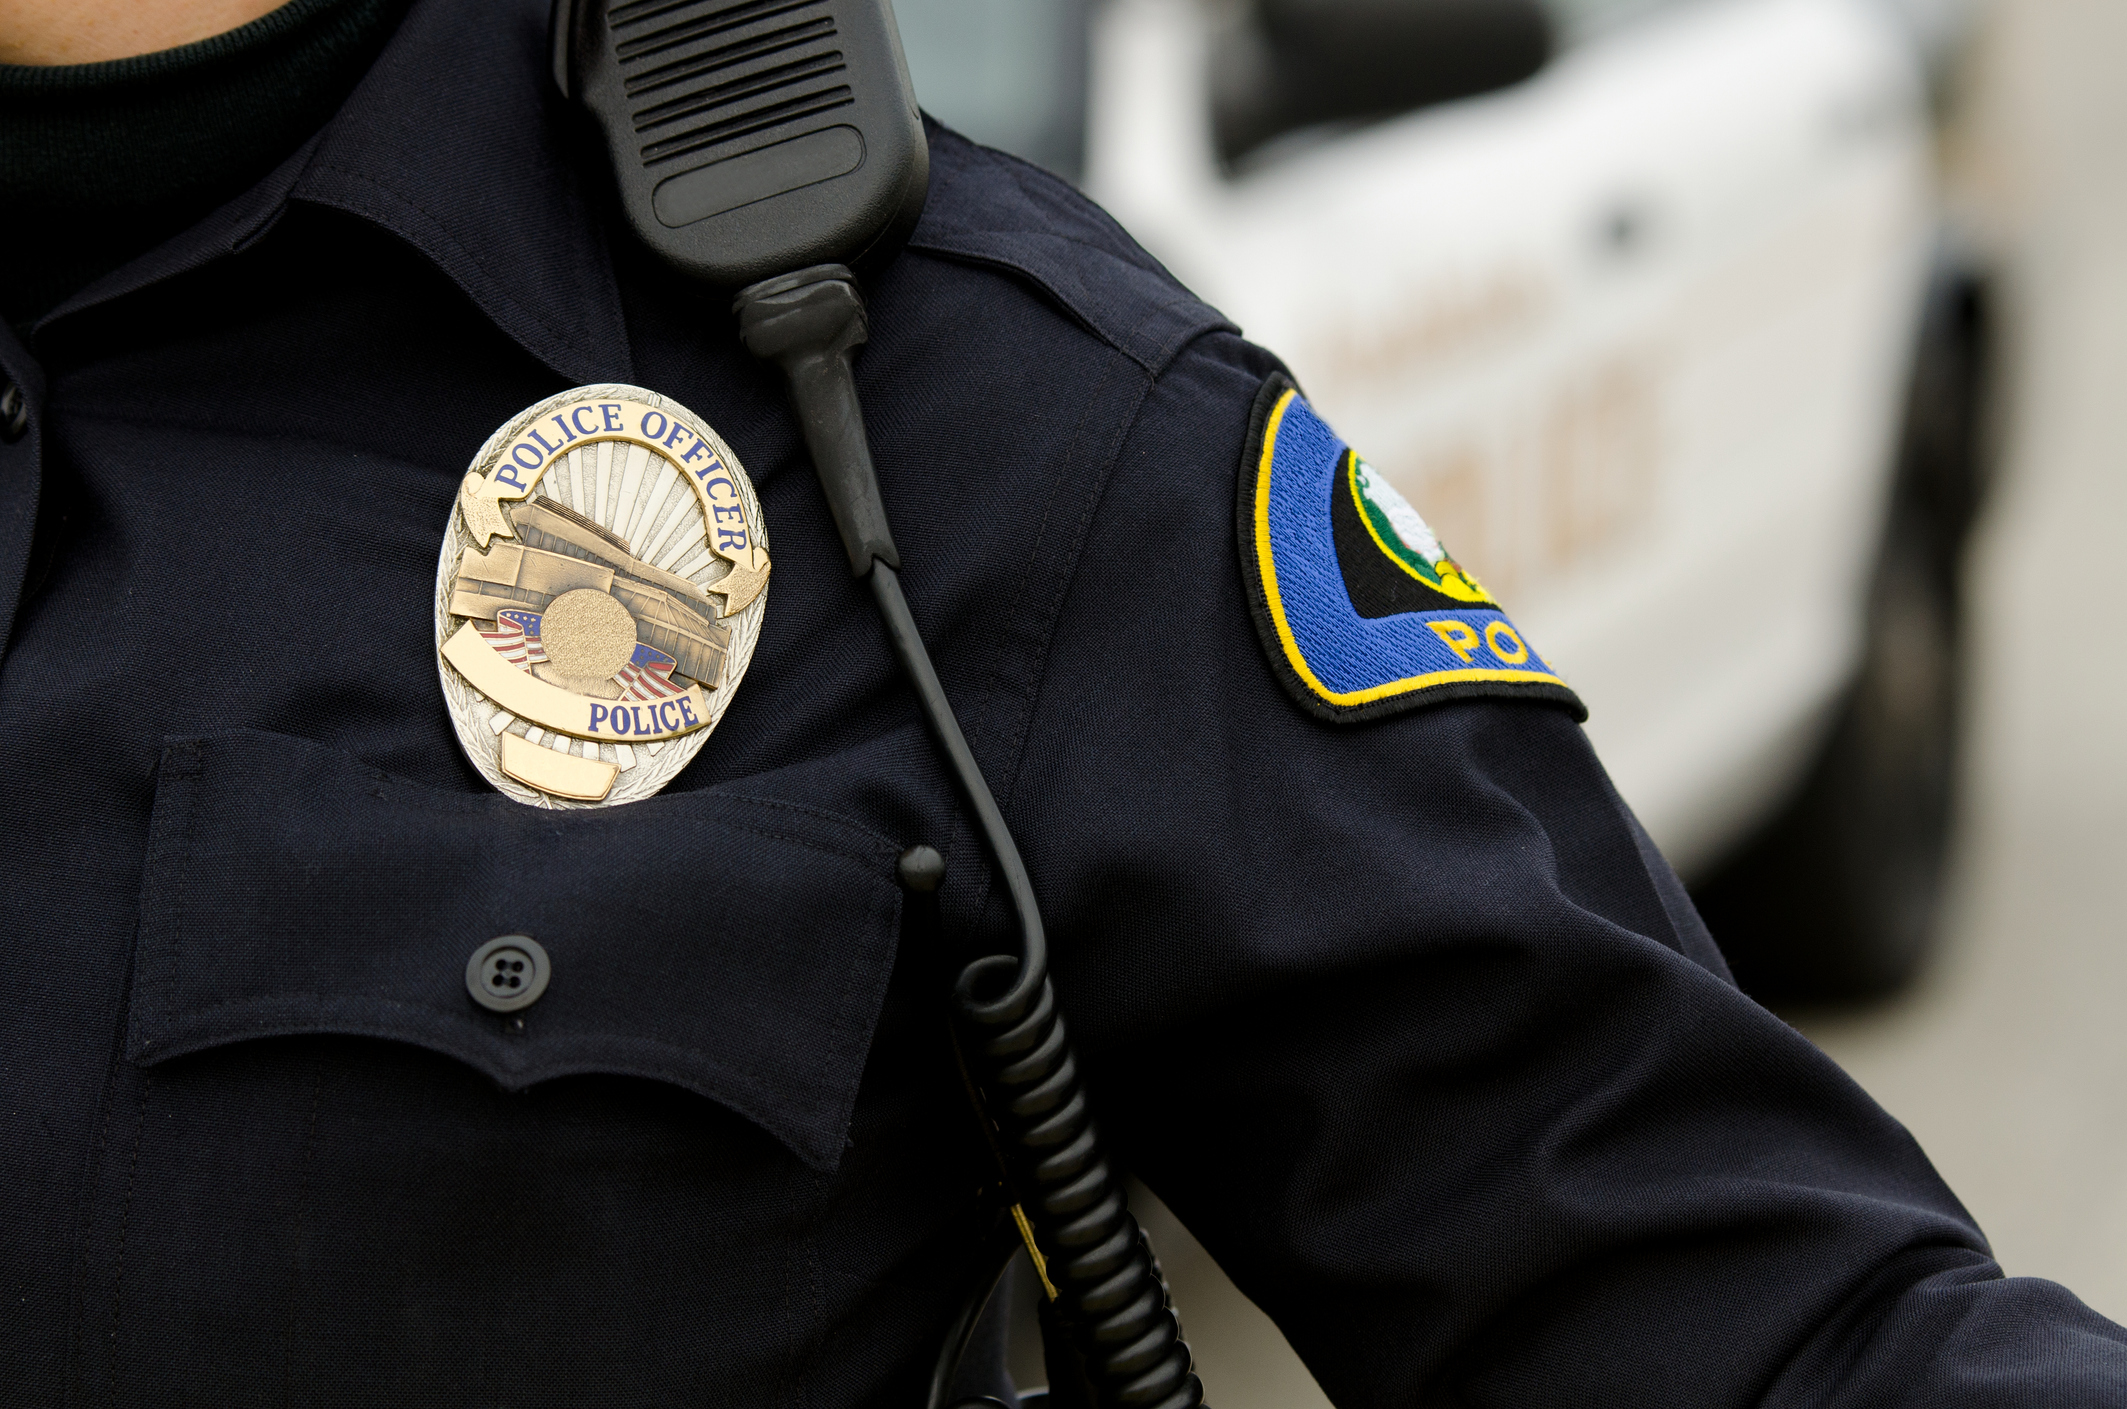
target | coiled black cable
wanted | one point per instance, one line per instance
(1109, 1295)
(1108, 1292)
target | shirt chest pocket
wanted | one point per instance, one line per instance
(325, 1160)
(734, 947)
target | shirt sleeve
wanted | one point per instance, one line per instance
(1414, 1028)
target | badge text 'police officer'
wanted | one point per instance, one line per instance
(600, 592)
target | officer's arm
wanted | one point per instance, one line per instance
(1416, 1031)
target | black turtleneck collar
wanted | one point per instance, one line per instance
(101, 162)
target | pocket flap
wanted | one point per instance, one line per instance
(734, 946)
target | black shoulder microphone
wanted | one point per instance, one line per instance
(750, 139)
(766, 146)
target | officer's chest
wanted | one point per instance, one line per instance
(727, 1120)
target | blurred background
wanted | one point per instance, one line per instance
(1768, 358)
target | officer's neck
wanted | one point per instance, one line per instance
(96, 31)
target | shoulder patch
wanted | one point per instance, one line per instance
(1361, 611)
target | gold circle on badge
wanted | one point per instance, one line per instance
(587, 634)
(598, 597)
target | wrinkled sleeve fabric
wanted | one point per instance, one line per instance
(1411, 1024)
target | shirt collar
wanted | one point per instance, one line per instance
(456, 143)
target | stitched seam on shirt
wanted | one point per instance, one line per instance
(994, 685)
(791, 1384)
(961, 228)
(455, 805)
(886, 842)
(888, 915)
(881, 912)
(1018, 169)
(165, 975)
(1013, 746)
(442, 231)
(666, 1069)
(125, 1224)
(669, 1062)
(71, 1388)
(1153, 366)
(1068, 577)
(209, 1009)
(74, 1387)
(474, 803)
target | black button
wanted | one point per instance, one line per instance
(921, 868)
(508, 973)
(14, 414)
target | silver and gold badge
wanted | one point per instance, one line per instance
(601, 589)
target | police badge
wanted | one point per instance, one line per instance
(600, 591)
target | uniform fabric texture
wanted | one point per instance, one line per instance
(114, 158)
(1409, 1022)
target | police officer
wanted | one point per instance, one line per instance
(1376, 980)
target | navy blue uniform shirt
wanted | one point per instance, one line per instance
(1407, 1020)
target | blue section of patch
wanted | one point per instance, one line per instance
(1355, 661)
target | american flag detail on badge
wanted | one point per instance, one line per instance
(516, 639)
(648, 676)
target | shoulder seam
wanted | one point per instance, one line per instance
(946, 237)
(1154, 359)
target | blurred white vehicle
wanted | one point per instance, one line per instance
(1645, 305)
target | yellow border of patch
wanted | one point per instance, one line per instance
(1267, 569)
